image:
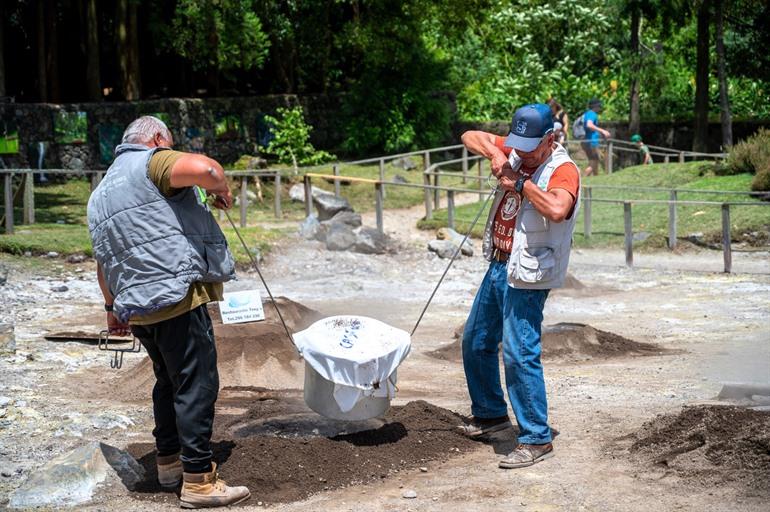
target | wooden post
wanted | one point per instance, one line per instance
(726, 245)
(378, 201)
(426, 193)
(609, 157)
(587, 212)
(667, 158)
(672, 220)
(629, 234)
(681, 157)
(336, 172)
(8, 183)
(244, 199)
(436, 192)
(308, 196)
(94, 180)
(465, 165)
(481, 175)
(425, 160)
(382, 175)
(450, 206)
(277, 203)
(29, 199)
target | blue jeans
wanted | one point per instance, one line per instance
(513, 316)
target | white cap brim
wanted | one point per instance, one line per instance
(520, 143)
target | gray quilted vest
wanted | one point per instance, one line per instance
(151, 247)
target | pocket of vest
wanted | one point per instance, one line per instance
(532, 221)
(219, 262)
(534, 264)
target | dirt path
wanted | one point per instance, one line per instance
(63, 394)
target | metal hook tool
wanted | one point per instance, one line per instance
(116, 362)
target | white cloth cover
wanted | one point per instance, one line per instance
(359, 354)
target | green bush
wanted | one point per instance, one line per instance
(291, 139)
(753, 156)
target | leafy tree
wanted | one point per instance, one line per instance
(291, 139)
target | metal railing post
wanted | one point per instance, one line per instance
(450, 205)
(672, 220)
(667, 159)
(481, 175)
(94, 180)
(8, 184)
(609, 159)
(425, 160)
(382, 175)
(629, 238)
(277, 202)
(308, 196)
(29, 199)
(436, 192)
(465, 165)
(378, 203)
(336, 172)
(244, 199)
(726, 244)
(681, 157)
(587, 212)
(426, 194)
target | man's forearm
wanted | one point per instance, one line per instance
(108, 299)
(480, 143)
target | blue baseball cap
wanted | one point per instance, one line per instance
(529, 125)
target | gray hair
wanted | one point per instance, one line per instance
(144, 129)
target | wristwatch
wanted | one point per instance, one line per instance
(519, 185)
(108, 308)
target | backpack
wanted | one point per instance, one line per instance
(579, 127)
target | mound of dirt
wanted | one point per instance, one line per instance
(568, 342)
(710, 444)
(280, 469)
(248, 354)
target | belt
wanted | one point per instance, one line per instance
(500, 255)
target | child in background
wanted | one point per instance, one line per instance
(645, 157)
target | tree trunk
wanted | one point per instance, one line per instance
(134, 72)
(2, 60)
(42, 78)
(93, 72)
(636, 65)
(52, 53)
(127, 46)
(700, 135)
(724, 99)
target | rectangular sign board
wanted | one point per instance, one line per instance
(240, 307)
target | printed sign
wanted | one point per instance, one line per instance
(240, 307)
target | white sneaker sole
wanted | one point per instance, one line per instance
(515, 465)
(186, 504)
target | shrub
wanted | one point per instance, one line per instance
(753, 156)
(291, 139)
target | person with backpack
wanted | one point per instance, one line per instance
(586, 128)
(560, 121)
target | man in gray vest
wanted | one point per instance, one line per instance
(161, 258)
(527, 242)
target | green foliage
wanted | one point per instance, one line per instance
(753, 156)
(291, 139)
(222, 34)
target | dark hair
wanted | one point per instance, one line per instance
(553, 103)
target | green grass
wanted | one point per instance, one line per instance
(607, 219)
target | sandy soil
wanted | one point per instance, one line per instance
(62, 394)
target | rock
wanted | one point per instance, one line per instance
(404, 163)
(27, 254)
(456, 238)
(7, 339)
(444, 248)
(695, 237)
(297, 192)
(71, 479)
(76, 258)
(309, 228)
(257, 163)
(350, 218)
(641, 236)
(409, 494)
(59, 289)
(399, 179)
(340, 237)
(3, 275)
(330, 205)
(52, 254)
(4, 400)
(423, 469)
(371, 241)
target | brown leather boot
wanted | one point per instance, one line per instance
(169, 471)
(205, 490)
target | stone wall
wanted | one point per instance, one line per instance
(191, 120)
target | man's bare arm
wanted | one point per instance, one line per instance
(554, 204)
(483, 143)
(603, 132)
(114, 326)
(193, 169)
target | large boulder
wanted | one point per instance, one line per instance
(340, 237)
(309, 228)
(330, 205)
(350, 218)
(457, 239)
(371, 241)
(297, 192)
(405, 163)
(444, 248)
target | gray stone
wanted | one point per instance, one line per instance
(330, 205)
(76, 163)
(297, 192)
(641, 236)
(409, 494)
(52, 254)
(76, 258)
(59, 289)
(405, 163)
(456, 238)
(350, 218)
(340, 237)
(444, 248)
(695, 237)
(72, 479)
(7, 339)
(399, 179)
(4, 400)
(3, 275)
(309, 227)
(371, 241)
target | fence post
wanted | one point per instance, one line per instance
(465, 165)
(425, 160)
(336, 172)
(726, 246)
(587, 212)
(378, 200)
(277, 206)
(672, 220)
(481, 189)
(8, 204)
(667, 158)
(436, 191)
(382, 175)
(29, 199)
(244, 199)
(629, 242)
(608, 161)
(426, 193)
(681, 157)
(308, 196)
(94, 180)
(450, 206)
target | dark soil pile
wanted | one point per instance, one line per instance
(248, 354)
(284, 469)
(710, 444)
(568, 342)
